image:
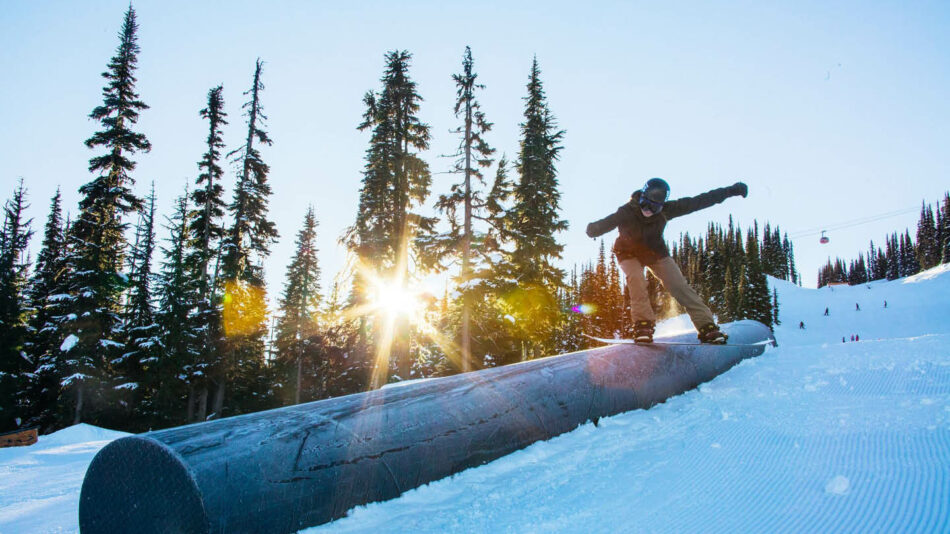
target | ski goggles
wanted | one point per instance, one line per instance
(650, 205)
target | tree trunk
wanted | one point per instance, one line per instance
(218, 404)
(203, 404)
(467, 243)
(190, 412)
(77, 416)
(299, 372)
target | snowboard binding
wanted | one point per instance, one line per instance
(710, 334)
(643, 331)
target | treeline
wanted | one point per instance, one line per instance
(112, 326)
(901, 255)
(727, 270)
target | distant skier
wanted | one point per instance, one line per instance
(857, 337)
(852, 337)
(640, 244)
(842, 339)
(885, 303)
(801, 325)
(826, 312)
(856, 307)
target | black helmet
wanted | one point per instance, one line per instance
(654, 194)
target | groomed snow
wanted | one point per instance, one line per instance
(39, 484)
(816, 435)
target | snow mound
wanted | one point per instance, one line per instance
(81, 433)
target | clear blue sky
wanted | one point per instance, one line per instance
(830, 111)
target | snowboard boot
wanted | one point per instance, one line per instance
(643, 331)
(711, 334)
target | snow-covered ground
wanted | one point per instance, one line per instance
(816, 435)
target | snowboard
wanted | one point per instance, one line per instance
(611, 341)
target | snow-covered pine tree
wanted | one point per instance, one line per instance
(205, 231)
(928, 253)
(775, 308)
(472, 156)
(790, 257)
(880, 265)
(247, 243)
(945, 229)
(908, 253)
(299, 361)
(176, 371)
(893, 258)
(14, 361)
(756, 300)
(97, 240)
(395, 179)
(139, 331)
(47, 290)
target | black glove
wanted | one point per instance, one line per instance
(740, 188)
(590, 230)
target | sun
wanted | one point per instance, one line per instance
(394, 300)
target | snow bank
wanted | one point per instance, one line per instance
(39, 484)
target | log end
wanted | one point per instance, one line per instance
(137, 484)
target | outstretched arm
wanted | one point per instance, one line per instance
(685, 205)
(601, 227)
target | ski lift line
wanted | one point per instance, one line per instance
(848, 224)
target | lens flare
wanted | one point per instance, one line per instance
(584, 309)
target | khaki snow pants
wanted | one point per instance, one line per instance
(674, 282)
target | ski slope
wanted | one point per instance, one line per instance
(816, 435)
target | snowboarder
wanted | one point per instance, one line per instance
(801, 325)
(640, 244)
(826, 312)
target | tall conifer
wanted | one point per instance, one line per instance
(534, 219)
(204, 235)
(472, 155)
(46, 291)
(138, 331)
(177, 372)
(97, 236)
(246, 245)
(14, 361)
(395, 179)
(297, 333)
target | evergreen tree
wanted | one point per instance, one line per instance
(298, 340)
(928, 252)
(945, 229)
(395, 179)
(533, 221)
(472, 155)
(14, 362)
(139, 331)
(775, 319)
(245, 246)
(908, 252)
(176, 371)
(790, 255)
(47, 288)
(205, 233)
(893, 258)
(755, 301)
(97, 239)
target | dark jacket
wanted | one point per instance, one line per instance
(642, 237)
